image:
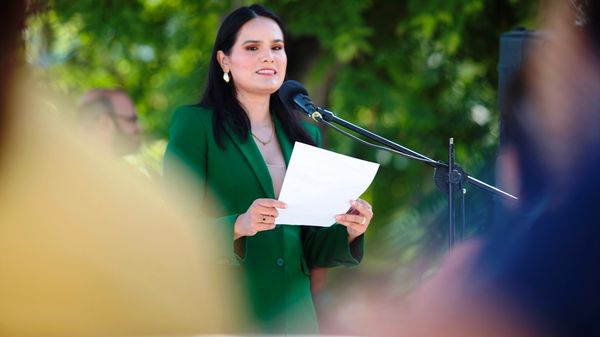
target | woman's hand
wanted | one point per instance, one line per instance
(260, 216)
(357, 219)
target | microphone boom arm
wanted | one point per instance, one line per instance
(324, 116)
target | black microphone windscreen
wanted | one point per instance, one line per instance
(289, 89)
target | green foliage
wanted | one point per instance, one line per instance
(157, 51)
(338, 26)
(416, 72)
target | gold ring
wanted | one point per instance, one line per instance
(364, 221)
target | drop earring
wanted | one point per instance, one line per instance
(226, 77)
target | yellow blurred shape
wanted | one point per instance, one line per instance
(89, 248)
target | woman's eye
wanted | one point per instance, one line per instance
(252, 48)
(278, 48)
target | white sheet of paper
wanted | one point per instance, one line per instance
(319, 185)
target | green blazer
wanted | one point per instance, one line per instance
(275, 264)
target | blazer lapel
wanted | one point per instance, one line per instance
(284, 142)
(256, 162)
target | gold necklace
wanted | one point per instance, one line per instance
(265, 142)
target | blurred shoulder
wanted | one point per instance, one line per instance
(189, 120)
(193, 113)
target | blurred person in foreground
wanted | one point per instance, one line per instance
(536, 273)
(546, 265)
(86, 248)
(237, 142)
(109, 115)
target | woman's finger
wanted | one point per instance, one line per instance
(270, 203)
(263, 218)
(270, 211)
(353, 228)
(265, 222)
(362, 206)
(352, 219)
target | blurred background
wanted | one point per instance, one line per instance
(416, 72)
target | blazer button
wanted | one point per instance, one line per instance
(280, 262)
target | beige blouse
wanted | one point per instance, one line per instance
(277, 174)
(273, 157)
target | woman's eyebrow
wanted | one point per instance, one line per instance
(258, 41)
(250, 41)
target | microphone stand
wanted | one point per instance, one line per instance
(449, 178)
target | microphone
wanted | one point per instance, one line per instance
(295, 97)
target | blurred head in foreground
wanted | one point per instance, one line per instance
(88, 248)
(537, 274)
(544, 265)
(109, 115)
(551, 122)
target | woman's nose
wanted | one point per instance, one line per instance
(268, 57)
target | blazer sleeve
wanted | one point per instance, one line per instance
(329, 247)
(187, 149)
(186, 155)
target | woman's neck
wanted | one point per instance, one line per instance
(257, 108)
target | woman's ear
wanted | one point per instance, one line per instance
(223, 61)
